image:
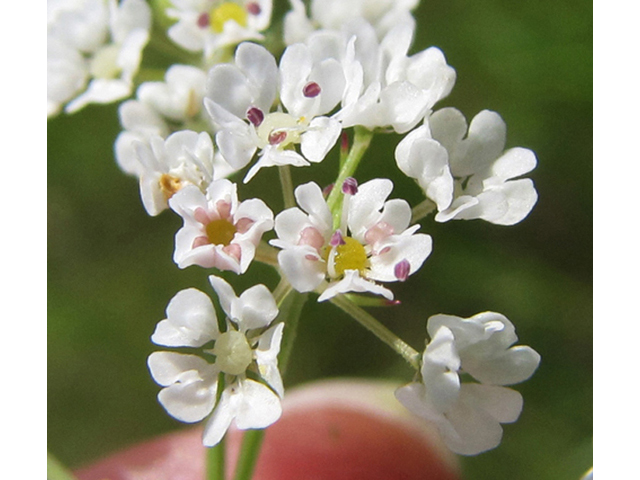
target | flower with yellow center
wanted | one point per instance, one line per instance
(212, 25)
(374, 243)
(218, 231)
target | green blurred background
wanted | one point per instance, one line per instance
(110, 271)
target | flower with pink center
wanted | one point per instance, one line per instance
(218, 230)
(373, 244)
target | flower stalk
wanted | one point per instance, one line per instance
(410, 355)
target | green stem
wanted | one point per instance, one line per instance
(361, 141)
(374, 326)
(287, 186)
(216, 461)
(249, 451)
(292, 305)
(421, 210)
(57, 471)
(281, 292)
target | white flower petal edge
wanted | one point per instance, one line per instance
(190, 382)
(468, 415)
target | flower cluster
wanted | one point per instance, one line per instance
(247, 101)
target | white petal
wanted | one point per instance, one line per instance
(226, 295)
(258, 407)
(519, 197)
(236, 146)
(509, 367)
(320, 137)
(309, 197)
(413, 248)
(191, 321)
(223, 415)
(255, 308)
(188, 402)
(267, 357)
(304, 274)
(364, 206)
(503, 404)
(513, 163)
(289, 225)
(471, 430)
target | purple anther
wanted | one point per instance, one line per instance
(392, 303)
(255, 116)
(350, 186)
(311, 90)
(277, 137)
(253, 8)
(402, 270)
(336, 239)
(203, 20)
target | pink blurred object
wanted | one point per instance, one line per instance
(329, 430)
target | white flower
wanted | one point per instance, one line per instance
(208, 25)
(469, 415)
(468, 174)
(240, 98)
(374, 243)
(166, 166)
(90, 39)
(191, 382)
(333, 14)
(218, 230)
(386, 88)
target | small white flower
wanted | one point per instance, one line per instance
(374, 243)
(208, 25)
(469, 415)
(191, 381)
(90, 39)
(166, 166)
(333, 14)
(218, 230)
(468, 174)
(240, 98)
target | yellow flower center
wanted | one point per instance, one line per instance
(233, 353)
(350, 256)
(169, 185)
(220, 232)
(225, 12)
